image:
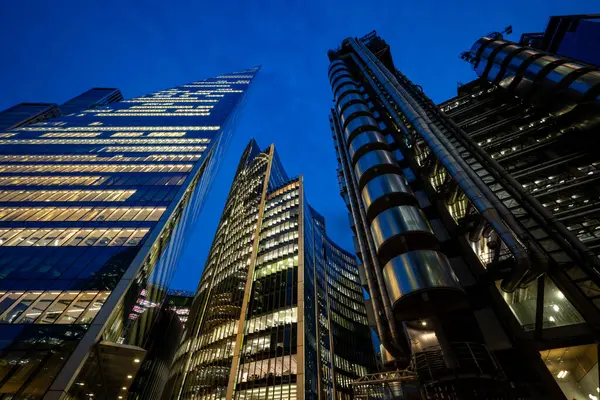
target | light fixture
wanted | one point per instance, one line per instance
(424, 323)
(137, 360)
(592, 397)
(129, 376)
(551, 319)
(563, 373)
(123, 388)
(555, 308)
(120, 397)
(80, 383)
(560, 295)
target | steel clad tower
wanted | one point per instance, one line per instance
(475, 220)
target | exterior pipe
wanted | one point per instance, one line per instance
(454, 166)
(390, 337)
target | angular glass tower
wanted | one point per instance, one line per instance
(26, 113)
(93, 98)
(279, 312)
(94, 209)
(477, 220)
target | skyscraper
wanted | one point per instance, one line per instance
(573, 36)
(26, 113)
(278, 313)
(94, 211)
(475, 219)
(93, 98)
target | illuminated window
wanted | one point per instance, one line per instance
(157, 149)
(71, 134)
(65, 195)
(107, 141)
(575, 369)
(51, 180)
(98, 168)
(72, 237)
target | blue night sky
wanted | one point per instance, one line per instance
(53, 50)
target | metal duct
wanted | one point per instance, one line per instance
(496, 60)
(485, 202)
(396, 223)
(412, 274)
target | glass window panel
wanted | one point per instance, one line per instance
(105, 214)
(78, 237)
(143, 214)
(65, 214)
(21, 305)
(8, 234)
(122, 237)
(91, 239)
(92, 214)
(39, 306)
(39, 214)
(129, 215)
(34, 238)
(76, 308)
(575, 369)
(64, 236)
(20, 237)
(94, 308)
(26, 214)
(50, 238)
(155, 214)
(107, 237)
(56, 309)
(558, 311)
(79, 212)
(137, 237)
(8, 300)
(118, 214)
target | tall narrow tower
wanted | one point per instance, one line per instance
(94, 210)
(278, 313)
(476, 220)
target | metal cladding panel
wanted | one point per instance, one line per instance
(360, 124)
(561, 72)
(385, 185)
(335, 65)
(409, 276)
(342, 81)
(353, 109)
(584, 83)
(538, 65)
(349, 98)
(399, 220)
(347, 87)
(372, 162)
(339, 73)
(519, 59)
(364, 141)
(485, 56)
(508, 51)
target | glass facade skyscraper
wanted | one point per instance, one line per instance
(279, 311)
(94, 210)
(476, 220)
(26, 113)
(93, 98)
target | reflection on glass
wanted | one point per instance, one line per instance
(575, 369)
(558, 311)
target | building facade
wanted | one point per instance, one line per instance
(27, 113)
(573, 36)
(475, 220)
(94, 211)
(93, 98)
(278, 313)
